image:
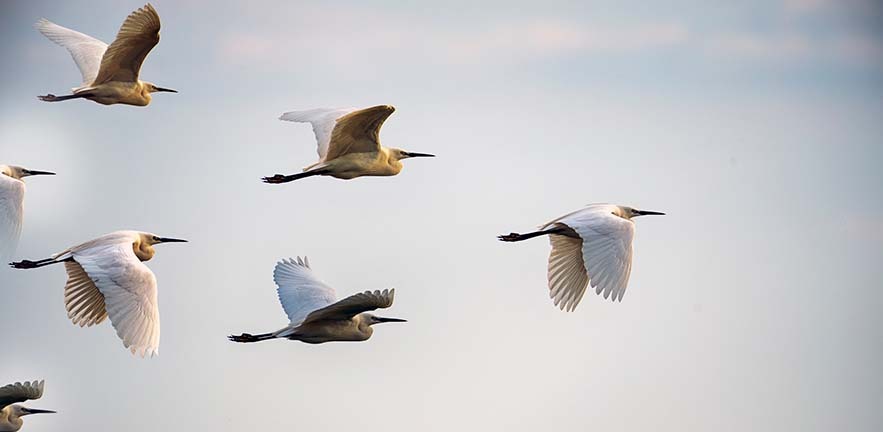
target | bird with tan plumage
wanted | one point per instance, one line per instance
(11, 412)
(314, 313)
(107, 278)
(110, 72)
(349, 144)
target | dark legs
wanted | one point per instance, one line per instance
(245, 337)
(25, 264)
(52, 98)
(514, 237)
(279, 178)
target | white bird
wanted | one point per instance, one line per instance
(110, 73)
(591, 245)
(107, 277)
(314, 313)
(12, 195)
(349, 144)
(12, 394)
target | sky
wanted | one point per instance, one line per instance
(753, 305)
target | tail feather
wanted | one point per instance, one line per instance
(247, 338)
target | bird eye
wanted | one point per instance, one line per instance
(155, 238)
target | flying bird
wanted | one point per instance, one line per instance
(107, 278)
(12, 195)
(315, 314)
(12, 394)
(349, 144)
(593, 246)
(110, 73)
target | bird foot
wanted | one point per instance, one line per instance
(511, 237)
(245, 337)
(276, 179)
(25, 264)
(49, 98)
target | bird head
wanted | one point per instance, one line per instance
(18, 172)
(374, 319)
(144, 242)
(399, 154)
(152, 88)
(628, 212)
(20, 411)
(153, 239)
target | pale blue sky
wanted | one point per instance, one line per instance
(754, 305)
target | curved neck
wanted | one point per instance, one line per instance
(143, 251)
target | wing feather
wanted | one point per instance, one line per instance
(82, 299)
(20, 392)
(353, 305)
(322, 120)
(137, 36)
(12, 193)
(300, 290)
(566, 272)
(358, 131)
(84, 49)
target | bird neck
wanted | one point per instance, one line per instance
(143, 251)
(8, 422)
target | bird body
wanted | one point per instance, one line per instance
(348, 144)
(10, 412)
(110, 72)
(107, 278)
(12, 195)
(593, 246)
(315, 315)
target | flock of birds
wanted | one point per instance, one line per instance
(107, 277)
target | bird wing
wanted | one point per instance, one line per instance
(85, 50)
(323, 121)
(300, 291)
(20, 392)
(606, 248)
(137, 36)
(358, 131)
(129, 290)
(82, 299)
(12, 193)
(567, 272)
(353, 305)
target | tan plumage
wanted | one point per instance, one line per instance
(348, 144)
(10, 396)
(110, 73)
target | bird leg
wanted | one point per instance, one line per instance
(279, 178)
(52, 98)
(26, 264)
(514, 237)
(245, 337)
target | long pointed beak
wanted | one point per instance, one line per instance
(34, 173)
(161, 89)
(38, 411)
(171, 240)
(648, 213)
(420, 155)
(386, 320)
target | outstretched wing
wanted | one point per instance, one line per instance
(137, 36)
(300, 291)
(567, 273)
(606, 248)
(353, 305)
(20, 392)
(82, 299)
(358, 131)
(323, 121)
(12, 194)
(129, 290)
(85, 50)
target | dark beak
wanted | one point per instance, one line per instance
(33, 173)
(648, 213)
(161, 89)
(419, 154)
(37, 411)
(171, 240)
(386, 320)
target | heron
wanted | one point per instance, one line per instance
(107, 278)
(349, 144)
(110, 72)
(592, 245)
(12, 195)
(13, 394)
(315, 315)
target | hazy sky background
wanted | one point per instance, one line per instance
(754, 305)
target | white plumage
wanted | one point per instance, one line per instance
(12, 195)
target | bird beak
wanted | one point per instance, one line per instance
(161, 89)
(648, 213)
(37, 411)
(386, 320)
(35, 173)
(171, 240)
(419, 154)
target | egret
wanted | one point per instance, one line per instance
(12, 195)
(315, 314)
(10, 412)
(110, 73)
(591, 245)
(107, 277)
(349, 144)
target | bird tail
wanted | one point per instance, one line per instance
(247, 338)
